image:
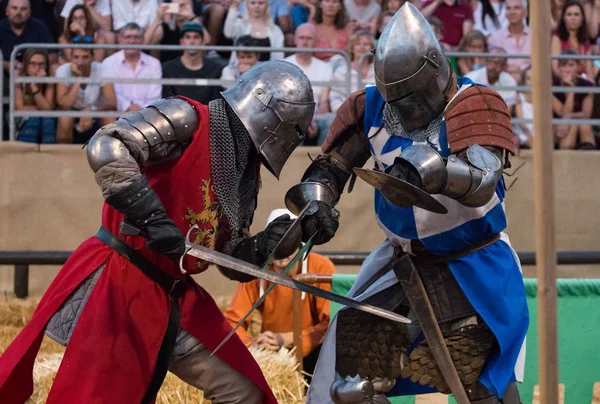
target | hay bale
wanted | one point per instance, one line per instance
(16, 312)
(9, 333)
(279, 369)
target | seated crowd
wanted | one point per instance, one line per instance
(496, 27)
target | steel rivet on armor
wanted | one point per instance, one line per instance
(128, 200)
(155, 138)
(186, 126)
(139, 195)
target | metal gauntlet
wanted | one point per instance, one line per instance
(469, 178)
(323, 181)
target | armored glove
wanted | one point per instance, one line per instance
(258, 248)
(404, 171)
(140, 204)
(324, 222)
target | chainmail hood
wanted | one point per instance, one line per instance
(392, 125)
(235, 165)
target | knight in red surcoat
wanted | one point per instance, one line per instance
(121, 305)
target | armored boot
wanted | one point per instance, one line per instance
(360, 391)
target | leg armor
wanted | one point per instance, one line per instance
(369, 348)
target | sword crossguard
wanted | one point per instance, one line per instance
(187, 248)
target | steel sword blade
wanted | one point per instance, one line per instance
(292, 263)
(218, 258)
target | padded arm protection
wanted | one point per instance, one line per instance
(469, 177)
(345, 147)
(155, 134)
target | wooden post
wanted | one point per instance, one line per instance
(297, 320)
(21, 281)
(543, 152)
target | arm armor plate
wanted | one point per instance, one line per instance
(157, 133)
(469, 177)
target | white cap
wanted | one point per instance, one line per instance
(279, 212)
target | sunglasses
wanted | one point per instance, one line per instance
(83, 39)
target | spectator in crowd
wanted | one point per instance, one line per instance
(100, 14)
(382, 21)
(361, 43)
(524, 110)
(493, 74)
(572, 106)
(257, 23)
(79, 24)
(277, 322)
(556, 9)
(18, 27)
(143, 12)
(166, 28)
(332, 27)
(279, 10)
(592, 16)
(456, 16)
(302, 11)
(133, 64)
(192, 65)
(47, 12)
(214, 13)
(489, 16)
(243, 61)
(438, 28)
(473, 42)
(515, 38)
(514, 71)
(391, 6)
(362, 14)
(572, 34)
(82, 97)
(595, 50)
(316, 70)
(36, 97)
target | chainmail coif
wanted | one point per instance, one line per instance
(235, 168)
(393, 126)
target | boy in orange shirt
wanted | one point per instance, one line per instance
(276, 310)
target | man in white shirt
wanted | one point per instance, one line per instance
(143, 12)
(315, 69)
(82, 97)
(493, 74)
(133, 64)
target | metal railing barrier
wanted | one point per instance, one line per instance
(104, 80)
(21, 260)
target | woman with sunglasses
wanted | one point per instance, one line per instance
(36, 97)
(79, 28)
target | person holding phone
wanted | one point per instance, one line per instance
(166, 27)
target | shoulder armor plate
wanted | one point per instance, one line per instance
(180, 114)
